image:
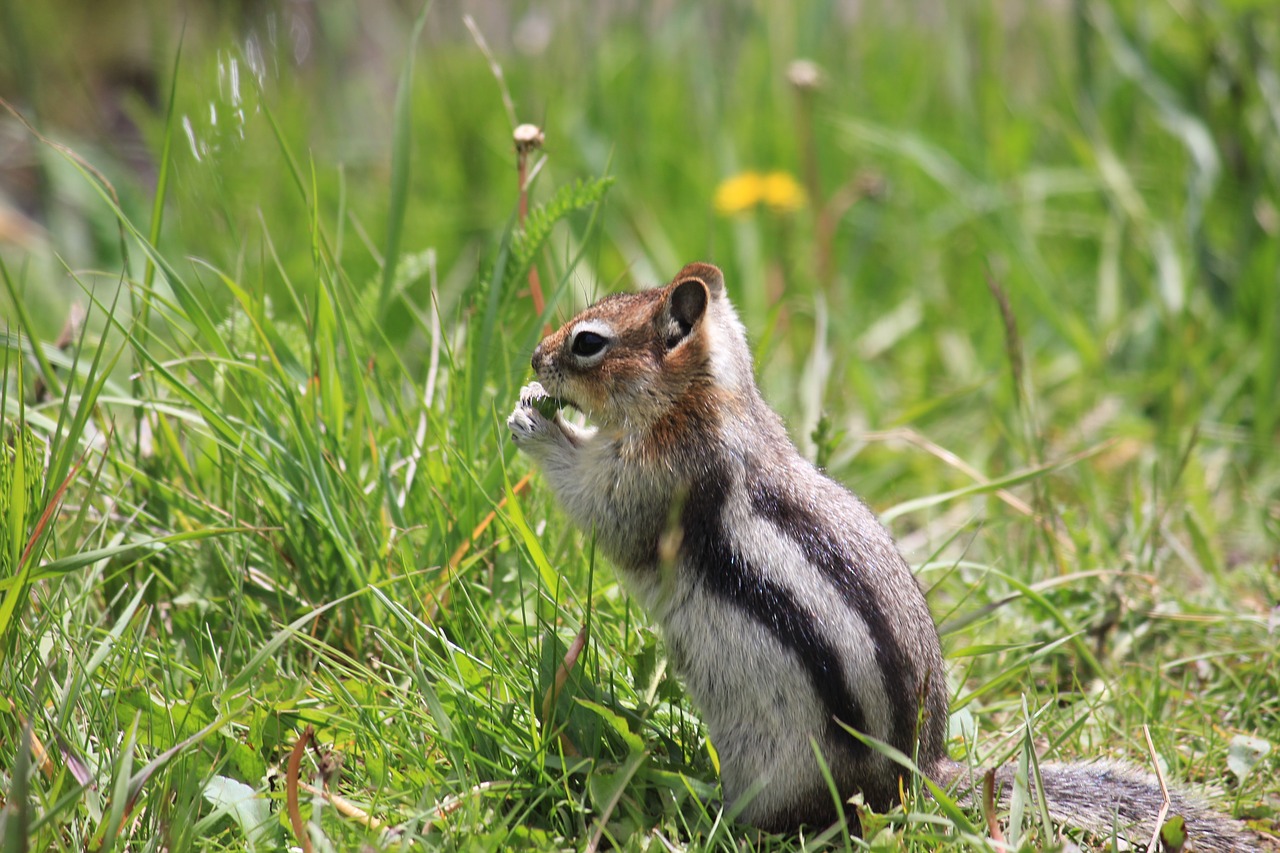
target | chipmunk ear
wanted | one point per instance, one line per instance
(709, 273)
(686, 303)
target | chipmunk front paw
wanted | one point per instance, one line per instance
(532, 419)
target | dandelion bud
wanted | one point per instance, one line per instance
(805, 75)
(528, 137)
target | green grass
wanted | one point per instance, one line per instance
(252, 494)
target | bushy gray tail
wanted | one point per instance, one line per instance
(1101, 798)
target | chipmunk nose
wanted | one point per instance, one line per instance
(538, 358)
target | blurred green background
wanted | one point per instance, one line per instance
(1112, 165)
(1012, 272)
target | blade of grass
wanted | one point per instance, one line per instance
(163, 164)
(192, 305)
(990, 486)
(110, 831)
(79, 560)
(70, 700)
(271, 647)
(17, 806)
(478, 364)
(25, 327)
(401, 145)
(949, 806)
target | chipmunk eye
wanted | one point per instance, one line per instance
(587, 344)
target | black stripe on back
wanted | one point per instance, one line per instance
(731, 578)
(839, 565)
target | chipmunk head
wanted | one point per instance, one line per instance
(634, 359)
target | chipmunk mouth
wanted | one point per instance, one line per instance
(568, 403)
(549, 403)
(556, 399)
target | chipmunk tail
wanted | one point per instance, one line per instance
(1107, 800)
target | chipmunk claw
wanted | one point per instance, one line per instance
(532, 417)
(531, 393)
(535, 396)
(525, 422)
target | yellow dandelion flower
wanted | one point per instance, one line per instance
(738, 193)
(782, 192)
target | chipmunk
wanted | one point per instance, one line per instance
(784, 604)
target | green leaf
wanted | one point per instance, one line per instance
(1244, 754)
(616, 722)
(1173, 835)
(607, 786)
(251, 812)
(528, 240)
